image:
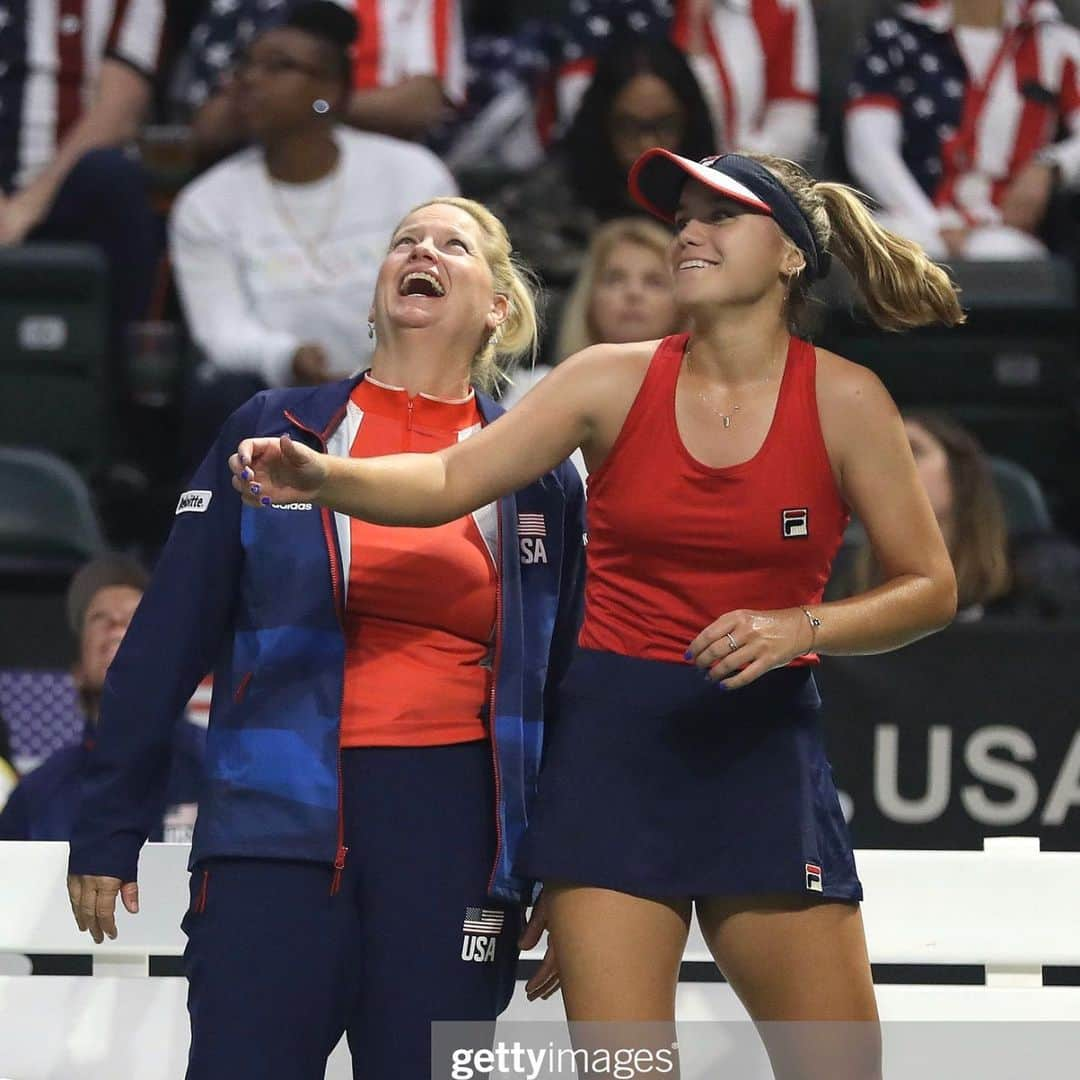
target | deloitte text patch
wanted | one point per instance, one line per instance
(194, 502)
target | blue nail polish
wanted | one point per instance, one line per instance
(721, 686)
(265, 500)
(255, 489)
(688, 655)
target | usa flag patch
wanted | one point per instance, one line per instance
(531, 525)
(813, 877)
(483, 921)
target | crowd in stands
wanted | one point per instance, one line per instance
(305, 130)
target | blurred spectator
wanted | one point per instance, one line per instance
(408, 66)
(276, 249)
(952, 115)
(75, 85)
(101, 601)
(8, 777)
(643, 94)
(960, 485)
(756, 61)
(623, 291)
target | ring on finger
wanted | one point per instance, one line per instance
(732, 643)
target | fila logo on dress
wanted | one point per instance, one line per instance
(532, 532)
(795, 523)
(813, 877)
(482, 927)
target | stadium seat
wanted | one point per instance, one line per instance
(52, 348)
(1010, 375)
(1025, 504)
(47, 522)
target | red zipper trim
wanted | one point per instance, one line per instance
(200, 900)
(339, 608)
(241, 688)
(491, 699)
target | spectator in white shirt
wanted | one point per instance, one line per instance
(276, 249)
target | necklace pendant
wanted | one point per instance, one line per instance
(727, 421)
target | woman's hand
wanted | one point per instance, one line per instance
(545, 980)
(277, 470)
(93, 903)
(750, 643)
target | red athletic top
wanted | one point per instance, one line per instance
(674, 544)
(420, 612)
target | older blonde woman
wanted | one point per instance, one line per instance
(378, 704)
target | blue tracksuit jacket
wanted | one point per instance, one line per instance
(257, 596)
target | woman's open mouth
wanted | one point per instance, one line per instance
(421, 283)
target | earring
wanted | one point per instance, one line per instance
(371, 329)
(320, 106)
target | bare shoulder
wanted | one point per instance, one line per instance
(847, 391)
(612, 361)
(600, 384)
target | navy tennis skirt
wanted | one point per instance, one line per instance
(657, 783)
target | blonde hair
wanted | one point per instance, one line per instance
(518, 334)
(900, 285)
(576, 331)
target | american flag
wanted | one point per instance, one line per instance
(964, 138)
(531, 525)
(483, 921)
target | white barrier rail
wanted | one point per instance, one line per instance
(1010, 907)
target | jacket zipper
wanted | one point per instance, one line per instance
(200, 899)
(335, 585)
(499, 569)
(242, 687)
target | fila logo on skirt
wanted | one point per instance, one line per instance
(813, 877)
(482, 927)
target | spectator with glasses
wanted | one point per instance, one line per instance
(756, 62)
(643, 93)
(407, 68)
(277, 248)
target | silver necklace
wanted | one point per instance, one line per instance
(310, 245)
(725, 417)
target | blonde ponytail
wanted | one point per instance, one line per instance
(899, 283)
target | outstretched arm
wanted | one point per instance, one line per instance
(551, 421)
